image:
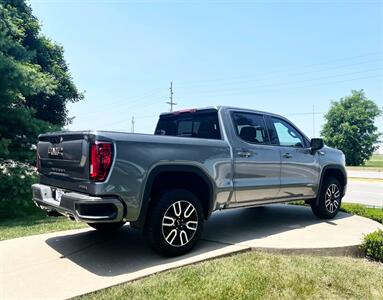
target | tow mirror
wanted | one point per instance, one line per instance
(316, 144)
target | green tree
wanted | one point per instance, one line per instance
(350, 127)
(35, 83)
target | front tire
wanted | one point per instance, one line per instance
(175, 222)
(329, 201)
(107, 227)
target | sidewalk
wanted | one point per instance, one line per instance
(352, 173)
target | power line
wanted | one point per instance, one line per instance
(305, 113)
(235, 88)
(131, 104)
(138, 98)
(265, 77)
(323, 63)
(285, 86)
(171, 103)
(275, 87)
(135, 118)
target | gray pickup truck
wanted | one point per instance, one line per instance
(198, 161)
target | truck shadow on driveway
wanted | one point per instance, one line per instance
(126, 251)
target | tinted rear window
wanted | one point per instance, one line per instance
(198, 125)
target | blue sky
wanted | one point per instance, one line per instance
(279, 56)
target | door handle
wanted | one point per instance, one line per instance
(244, 153)
(287, 155)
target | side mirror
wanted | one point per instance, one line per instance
(316, 144)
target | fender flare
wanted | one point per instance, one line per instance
(326, 168)
(157, 170)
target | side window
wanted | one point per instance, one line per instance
(250, 127)
(287, 134)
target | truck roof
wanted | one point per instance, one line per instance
(218, 108)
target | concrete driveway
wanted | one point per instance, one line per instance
(67, 264)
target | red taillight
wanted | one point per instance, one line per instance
(101, 157)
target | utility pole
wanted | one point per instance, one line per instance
(313, 121)
(133, 122)
(171, 103)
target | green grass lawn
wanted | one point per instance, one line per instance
(373, 213)
(35, 223)
(257, 275)
(375, 163)
(363, 211)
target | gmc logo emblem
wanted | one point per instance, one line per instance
(55, 151)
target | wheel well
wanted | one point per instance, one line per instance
(336, 173)
(185, 180)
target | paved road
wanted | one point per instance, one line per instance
(66, 264)
(365, 174)
(364, 192)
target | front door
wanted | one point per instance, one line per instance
(256, 161)
(300, 168)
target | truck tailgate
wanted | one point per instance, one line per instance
(64, 157)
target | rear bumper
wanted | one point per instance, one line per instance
(81, 207)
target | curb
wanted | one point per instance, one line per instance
(352, 251)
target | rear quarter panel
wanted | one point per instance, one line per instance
(138, 154)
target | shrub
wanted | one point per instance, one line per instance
(372, 245)
(15, 189)
(363, 211)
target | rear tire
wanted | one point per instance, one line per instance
(105, 227)
(174, 223)
(330, 198)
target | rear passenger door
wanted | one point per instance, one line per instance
(300, 167)
(256, 161)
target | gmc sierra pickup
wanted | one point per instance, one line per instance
(198, 161)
